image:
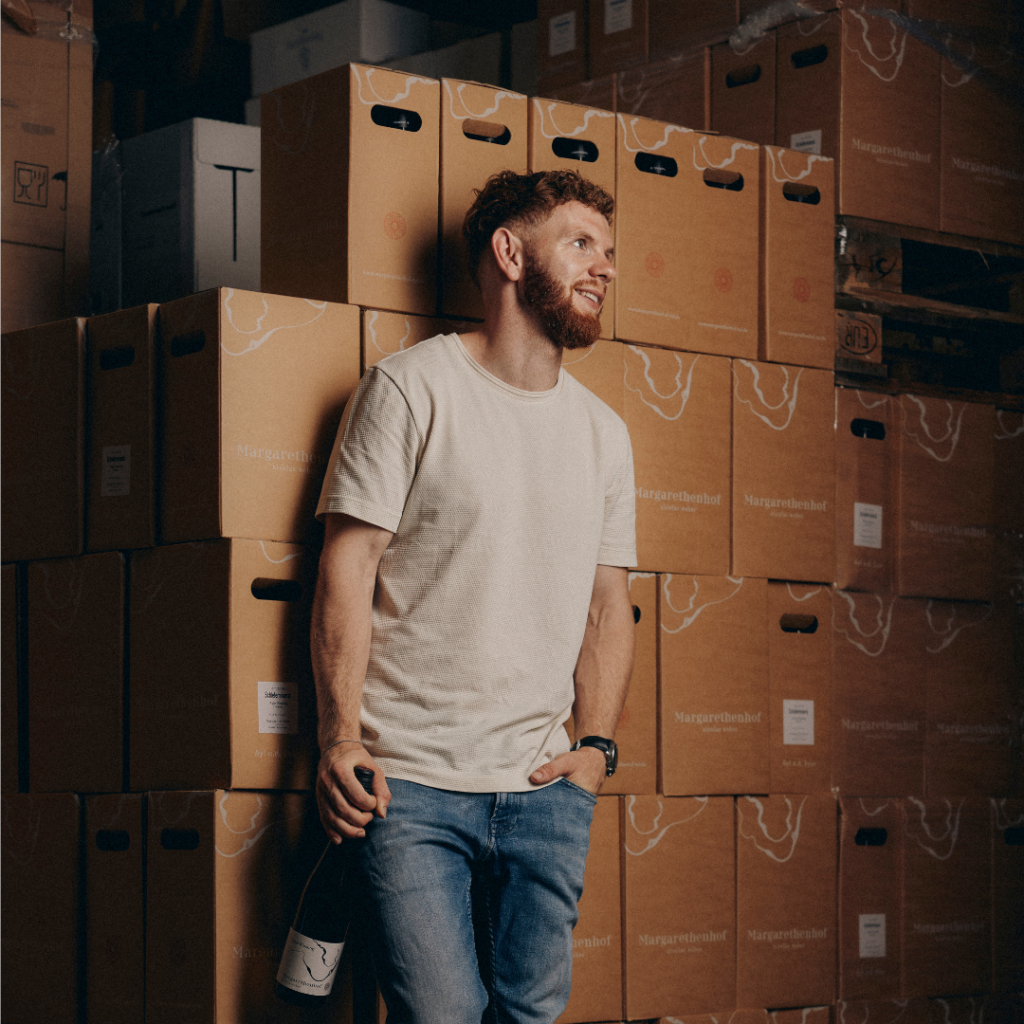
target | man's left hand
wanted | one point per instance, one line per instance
(584, 767)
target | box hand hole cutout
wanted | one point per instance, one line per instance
(1014, 836)
(871, 836)
(179, 839)
(650, 164)
(188, 344)
(486, 131)
(396, 117)
(872, 430)
(731, 181)
(117, 358)
(636, 615)
(113, 840)
(809, 57)
(794, 192)
(792, 623)
(743, 76)
(574, 149)
(264, 589)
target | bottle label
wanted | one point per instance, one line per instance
(308, 965)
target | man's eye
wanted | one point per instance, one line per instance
(581, 242)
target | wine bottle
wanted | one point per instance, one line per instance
(317, 935)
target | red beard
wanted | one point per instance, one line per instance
(565, 325)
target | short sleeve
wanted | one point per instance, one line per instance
(618, 540)
(374, 460)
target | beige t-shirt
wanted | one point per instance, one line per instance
(502, 503)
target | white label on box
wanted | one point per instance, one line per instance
(562, 34)
(618, 16)
(872, 936)
(116, 471)
(806, 142)
(279, 708)
(867, 525)
(798, 723)
(308, 965)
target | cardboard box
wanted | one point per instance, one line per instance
(76, 674)
(802, 1015)
(855, 87)
(882, 1011)
(1008, 469)
(121, 465)
(477, 59)
(713, 673)
(39, 851)
(115, 864)
(947, 892)
(523, 58)
(800, 687)
(878, 695)
(982, 145)
(386, 333)
(598, 93)
(743, 90)
(190, 210)
(483, 131)
(687, 235)
(224, 875)
(968, 660)
(563, 136)
(677, 408)
(254, 387)
(797, 254)
(783, 472)
(47, 141)
(858, 336)
(597, 937)
(785, 900)
(1007, 894)
(10, 678)
(105, 285)
(728, 1017)
(43, 424)
(672, 90)
(372, 31)
(866, 441)
(599, 368)
(679, 905)
(222, 690)
(561, 42)
(945, 466)
(618, 35)
(870, 869)
(675, 26)
(378, 247)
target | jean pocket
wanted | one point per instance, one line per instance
(592, 797)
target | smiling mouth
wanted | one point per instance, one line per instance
(591, 298)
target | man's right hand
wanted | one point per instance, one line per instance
(345, 807)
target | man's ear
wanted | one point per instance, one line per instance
(509, 254)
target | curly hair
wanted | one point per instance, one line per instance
(508, 198)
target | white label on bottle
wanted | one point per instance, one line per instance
(562, 34)
(872, 936)
(867, 525)
(279, 707)
(806, 142)
(798, 723)
(116, 471)
(308, 965)
(618, 16)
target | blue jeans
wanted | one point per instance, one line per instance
(472, 901)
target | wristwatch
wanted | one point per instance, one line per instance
(608, 747)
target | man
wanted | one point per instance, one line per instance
(472, 594)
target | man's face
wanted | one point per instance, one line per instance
(567, 272)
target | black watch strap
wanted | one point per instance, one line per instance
(606, 746)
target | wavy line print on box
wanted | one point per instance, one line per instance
(776, 154)
(791, 402)
(684, 393)
(883, 622)
(557, 132)
(952, 431)
(1004, 433)
(62, 584)
(652, 843)
(896, 53)
(948, 634)
(792, 833)
(249, 843)
(640, 147)
(410, 81)
(498, 97)
(255, 343)
(952, 824)
(709, 164)
(696, 610)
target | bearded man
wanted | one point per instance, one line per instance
(479, 519)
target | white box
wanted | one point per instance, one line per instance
(190, 210)
(356, 31)
(471, 60)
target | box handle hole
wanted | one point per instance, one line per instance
(113, 840)
(743, 76)
(732, 181)
(809, 57)
(636, 615)
(188, 344)
(871, 836)
(179, 839)
(793, 623)
(395, 117)
(574, 149)
(651, 164)
(264, 589)
(797, 193)
(117, 358)
(870, 429)
(486, 131)
(1014, 836)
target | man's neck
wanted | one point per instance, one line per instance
(516, 351)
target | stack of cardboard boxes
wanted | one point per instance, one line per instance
(822, 635)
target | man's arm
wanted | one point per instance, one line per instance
(602, 678)
(340, 645)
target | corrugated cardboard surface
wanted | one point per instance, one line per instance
(597, 938)
(882, 1011)
(39, 854)
(43, 460)
(677, 408)
(870, 869)
(947, 879)
(254, 390)
(676, 26)
(743, 90)
(783, 472)
(76, 667)
(552, 123)
(466, 163)
(206, 655)
(618, 35)
(797, 278)
(561, 42)
(115, 865)
(865, 511)
(785, 900)
(945, 466)
(713, 671)
(121, 467)
(12, 659)
(1008, 505)
(800, 687)
(671, 90)
(599, 368)
(859, 336)
(387, 333)
(679, 905)
(803, 1015)
(878, 696)
(598, 93)
(1007, 895)
(322, 151)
